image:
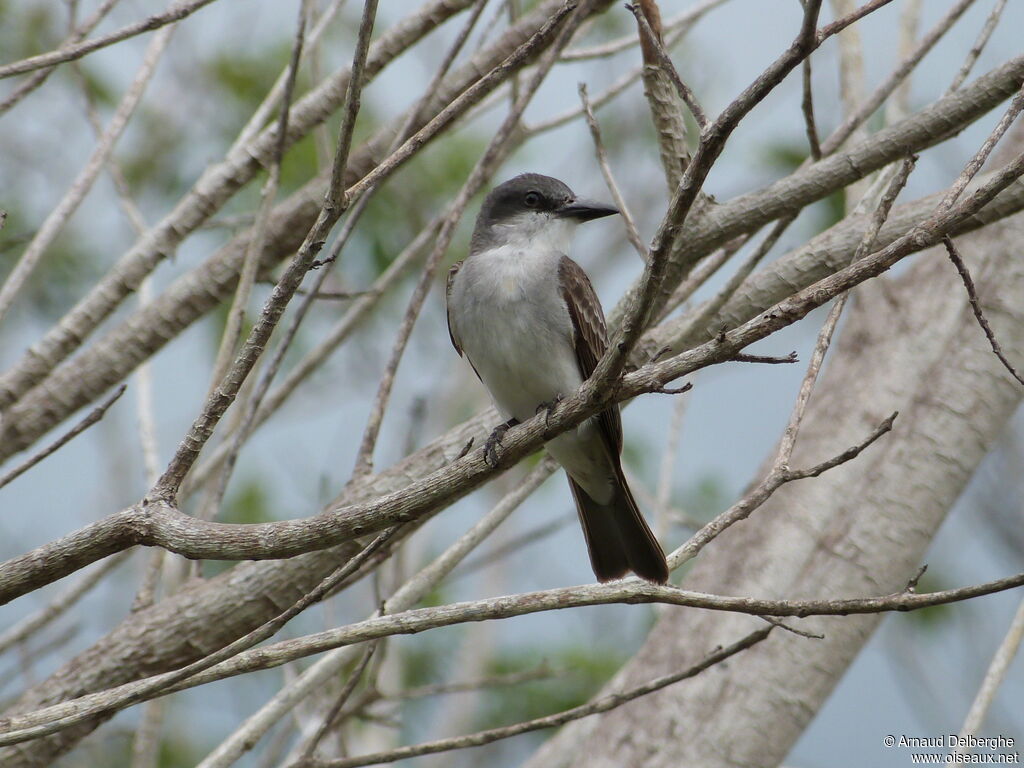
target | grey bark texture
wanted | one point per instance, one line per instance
(910, 344)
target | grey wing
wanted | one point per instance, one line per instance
(448, 304)
(590, 338)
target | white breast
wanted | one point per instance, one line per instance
(512, 323)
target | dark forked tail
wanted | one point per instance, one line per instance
(617, 535)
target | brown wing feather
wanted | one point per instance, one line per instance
(448, 304)
(590, 338)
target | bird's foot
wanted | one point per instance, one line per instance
(494, 440)
(548, 406)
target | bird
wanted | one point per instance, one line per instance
(529, 322)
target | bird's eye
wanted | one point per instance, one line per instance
(532, 199)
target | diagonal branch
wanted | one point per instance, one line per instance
(631, 591)
(83, 182)
(602, 704)
(334, 205)
(91, 418)
(177, 12)
(972, 295)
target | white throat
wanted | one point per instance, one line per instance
(534, 231)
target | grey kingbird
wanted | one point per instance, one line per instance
(528, 320)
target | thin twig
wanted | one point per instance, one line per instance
(83, 182)
(177, 12)
(651, 41)
(994, 676)
(329, 719)
(603, 704)
(70, 596)
(783, 625)
(274, 96)
(972, 295)
(853, 121)
(821, 345)
(979, 158)
(824, 339)
(254, 250)
(334, 205)
(614, 90)
(41, 76)
(979, 45)
(848, 455)
(676, 26)
(880, 215)
(94, 415)
(628, 591)
(157, 685)
(766, 359)
(807, 107)
(710, 308)
(776, 478)
(632, 233)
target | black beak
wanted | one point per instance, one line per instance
(585, 210)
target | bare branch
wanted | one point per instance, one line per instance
(153, 686)
(339, 702)
(651, 42)
(247, 278)
(848, 455)
(629, 591)
(632, 233)
(84, 181)
(177, 12)
(979, 158)
(807, 107)
(603, 704)
(674, 28)
(994, 676)
(41, 76)
(334, 205)
(93, 416)
(776, 478)
(972, 295)
(979, 45)
(64, 600)
(898, 75)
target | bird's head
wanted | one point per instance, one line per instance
(533, 211)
